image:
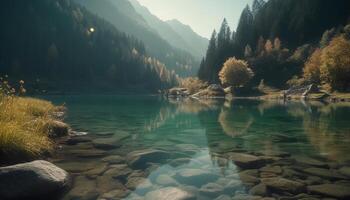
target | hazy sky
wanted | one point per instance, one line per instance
(202, 15)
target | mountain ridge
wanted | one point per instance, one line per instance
(122, 15)
(174, 33)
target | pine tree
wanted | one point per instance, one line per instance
(260, 47)
(224, 34)
(256, 6)
(207, 66)
(247, 51)
(245, 34)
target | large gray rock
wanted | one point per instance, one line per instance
(33, 179)
(332, 190)
(247, 161)
(169, 193)
(283, 185)
(140, 159)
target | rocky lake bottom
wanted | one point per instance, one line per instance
(147, 147)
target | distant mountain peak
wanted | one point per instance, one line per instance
(175, 32)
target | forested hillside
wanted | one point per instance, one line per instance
(276, 38)
(122, 15)
(59, 45)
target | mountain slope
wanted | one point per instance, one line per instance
(173, 31)
(124, 17)
(63, 46)
(198, 43)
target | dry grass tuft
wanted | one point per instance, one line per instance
(23, 130)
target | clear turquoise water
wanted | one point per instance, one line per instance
(214, 127)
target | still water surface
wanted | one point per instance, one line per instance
(188, 145)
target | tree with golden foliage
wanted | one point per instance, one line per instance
(193, 85)
(268, 46)
(335, 68)
(235, 73)
(312, 67)
(277, 44)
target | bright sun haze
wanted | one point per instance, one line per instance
(202, 15)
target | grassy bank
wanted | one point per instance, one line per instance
(24, 127)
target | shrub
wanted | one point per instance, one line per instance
(335, 68)
(312, 67)
(235, 73)
(193, 84)
(295, 81)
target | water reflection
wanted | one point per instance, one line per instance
(195, 135)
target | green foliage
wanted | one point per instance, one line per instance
(69, 48)
(267, 28)
(122, 15)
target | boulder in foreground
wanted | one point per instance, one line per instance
(33, 179)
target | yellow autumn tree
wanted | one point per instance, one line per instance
(335, 68)
(268, 46)
(312, 67)
(235, 72)
(277, 44)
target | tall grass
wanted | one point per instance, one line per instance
(23, 127)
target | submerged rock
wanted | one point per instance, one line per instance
(211, 190)
(115, 194)
(77, 139)
(83, 188)
(248, 180)
(115, 159)
(135, 182)
(169, 193)
(140, 159)
(250, 197)
(260, 190)
(166, 180)
(111, 142)
(106, 143)
(247, 161)
(197, 177)
(345, 171)
(331, 190)
(107, 183)
(283, 185)
(120, 171)
(32, 179)
(325, 173)
(271, 169)
(310, 161)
